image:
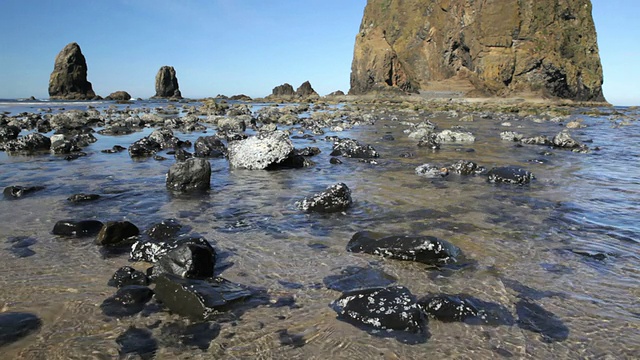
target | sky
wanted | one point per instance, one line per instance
(233, 46)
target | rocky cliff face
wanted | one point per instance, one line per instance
(167, 83)
(68, 80)
(492, 47)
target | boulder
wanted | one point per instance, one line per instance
(16, 192)
(335, 198)
(189, 260)
(261, 151)
(198, 299)
(210, 147)
(77, 228)
(128, 300)
(137, 343)
(193, 174)
(16, 325)
(152, 251)
(117, 233)
(450, 136)
(167, 83)
(353, 149)
(127, 275)
(166, 230)
(389, 308)
(119, 96)
(431, 171)
(509, 175)
(424, 249)
(28, 144)
(235, 124)
(68, 81)
(305, 90)
(165, 138)
(144, 147)
(9, 132)
(465, 308)
(565, 141)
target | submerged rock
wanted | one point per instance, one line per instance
(533, 317)
(353, 149)
(127, 275)
(128, 300)
(198, 299)
(449, 136)
(77, 228)
(465, 308)
(16, 192)
(119, 96)
(509, 175)
(190, 175)
(424, 249)
(78, 198)
(464, 167)
(390, 308)
(138, 342)
(117, 233)
(261, 151)
(335, 198)
(16, 325)
(358, 278)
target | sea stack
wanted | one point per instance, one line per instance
(68, 80)
(167, 83)
(540, 48)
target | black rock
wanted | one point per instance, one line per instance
(76, 198)
(164, 231)
(509, 175)
(151, 251)
(353, 149)
(198, 299)
(15, 192)
(358, 278)
(126, 276)
(210, 146)
(194, 261)
(335, 161)
(190, 175)
(424, 249)
(465, 308)
(8, 133)
(117, 233)
(28, 144)
(533, 317)
(182, 154)
(390, 308)
(127, 301)
(81, 228)
(137, 341)
(335, 198)
(15, 325)
(308, 151)
(144, 147)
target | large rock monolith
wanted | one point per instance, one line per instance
(167, 83)
(68, 80)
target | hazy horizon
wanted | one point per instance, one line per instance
(231, 47)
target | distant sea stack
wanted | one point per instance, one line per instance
(68, 80)
(545, 48)
(167, 83)
(304, 91)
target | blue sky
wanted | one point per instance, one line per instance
(232, 46)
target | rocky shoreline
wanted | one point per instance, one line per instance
(182, 271)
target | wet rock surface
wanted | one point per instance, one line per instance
(16, 192)
(117, 233)
(424, 249)
(335, 198)
(77, 228)
(81, 198)
(391, 308)
(152, 250)
(137, 342)
(126, 276)
(28, 144)
(465, 308)
(189, 175)
(509, 175)
(358, 278)
(189, 260)
(127, 301)
(353, 149)
(533, 317)
(17, 325)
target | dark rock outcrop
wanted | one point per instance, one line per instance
(127, 275)
(68, 80)
(210, 146)
(193, 174)
(119, 96)
(28, 144)
(335, 198)
(283, 90)
(541, 47)
(390, 308)
(117, 233)
(465, 308)
(16, 325)
(167, 83)
(305, 90)
(509, 175)
(152, 251)
(424, 249)
(127, 301)
(190, 260)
